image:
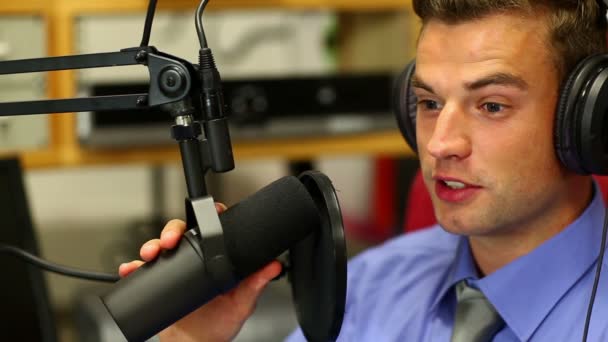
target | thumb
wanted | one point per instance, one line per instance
(252, 286)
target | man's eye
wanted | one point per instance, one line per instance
(492, 107)
(428, 105)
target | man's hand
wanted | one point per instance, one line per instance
(220, 319)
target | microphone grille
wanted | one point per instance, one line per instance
(264, 225)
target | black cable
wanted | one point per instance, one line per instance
(598, 270)
(199, 23)
(64, 270)
(145, 40)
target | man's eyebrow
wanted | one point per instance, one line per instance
(501, 78)
(416, 82)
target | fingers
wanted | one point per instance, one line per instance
(149, 251)
(266, 274)
(174, 230)
(238, 304)
(220, 207)
(172, 233)
(126, 268)
(169, 238)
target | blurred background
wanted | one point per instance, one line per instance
(307, 86)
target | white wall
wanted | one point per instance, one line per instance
(22, 37)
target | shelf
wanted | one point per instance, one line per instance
(24, 7)
(64, 149)
(389, 143)
(76, 7)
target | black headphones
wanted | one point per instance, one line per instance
(581, 128)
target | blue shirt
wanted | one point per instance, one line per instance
(404, 289)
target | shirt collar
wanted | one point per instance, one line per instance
(463, 267)
(560, 261)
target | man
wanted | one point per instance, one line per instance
(517, 229)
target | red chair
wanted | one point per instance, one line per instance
(419, 212)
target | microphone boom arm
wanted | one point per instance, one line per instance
(166, 73)
(174, 86)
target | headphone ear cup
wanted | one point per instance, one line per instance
(581, 127)
(404, 105)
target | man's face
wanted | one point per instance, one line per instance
(487, 91)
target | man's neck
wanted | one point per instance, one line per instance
(491, 252)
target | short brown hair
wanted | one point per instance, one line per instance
(577, 27)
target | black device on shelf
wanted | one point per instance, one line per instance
(260, 108)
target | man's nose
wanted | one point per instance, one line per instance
(450, 138)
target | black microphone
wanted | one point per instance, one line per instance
(255, 231)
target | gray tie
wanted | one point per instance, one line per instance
(476, 319)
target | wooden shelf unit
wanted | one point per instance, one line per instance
(64, 149)
(76, 7)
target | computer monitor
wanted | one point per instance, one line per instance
(25, 310)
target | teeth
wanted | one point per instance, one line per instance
(455, 185)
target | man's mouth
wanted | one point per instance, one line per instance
(454, 184)
(454, 190)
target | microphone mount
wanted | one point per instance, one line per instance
(191, 94)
